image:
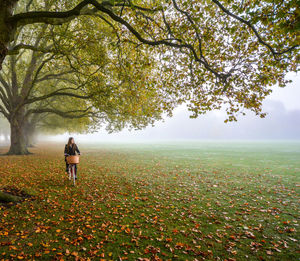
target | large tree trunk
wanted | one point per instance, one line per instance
(6, 30)
(17, 135)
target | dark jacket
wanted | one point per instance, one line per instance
(69, 150)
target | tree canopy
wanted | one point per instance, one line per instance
(226, 52)
(136, 60)
(77, 74)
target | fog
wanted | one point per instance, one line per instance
(282, 122)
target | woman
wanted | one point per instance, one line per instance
(71, 149)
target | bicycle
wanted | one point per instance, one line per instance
(72, 161)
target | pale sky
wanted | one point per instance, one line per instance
(290, 95)
(282, 122)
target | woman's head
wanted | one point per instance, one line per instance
(71, 141)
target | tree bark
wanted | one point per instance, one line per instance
(17, 135)
(6, 29)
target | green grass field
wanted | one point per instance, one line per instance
(167, 201)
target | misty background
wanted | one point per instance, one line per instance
(282, 122)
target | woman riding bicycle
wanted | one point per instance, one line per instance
(70, 150)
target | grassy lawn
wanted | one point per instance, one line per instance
(168, 201)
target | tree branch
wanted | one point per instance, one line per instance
(6, 87)
(3, 111)
(53, 76)
(57, 18)
(36, 75)
(64, 114)
(189, 18)
(57, 93)
(275, 53)
(54, 18)
(157, 42)
(28, 5)
(15, 50)
(4, 98)
(105, 7)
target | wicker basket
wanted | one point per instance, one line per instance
(73, 159)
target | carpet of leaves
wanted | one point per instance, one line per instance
(146, 202)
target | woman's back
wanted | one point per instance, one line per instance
(71, 149)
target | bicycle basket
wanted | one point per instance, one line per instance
(73, 159)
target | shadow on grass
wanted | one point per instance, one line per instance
(12, 195)
(10, 154)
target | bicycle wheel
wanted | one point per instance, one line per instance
(73, 172)
(70, 172)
